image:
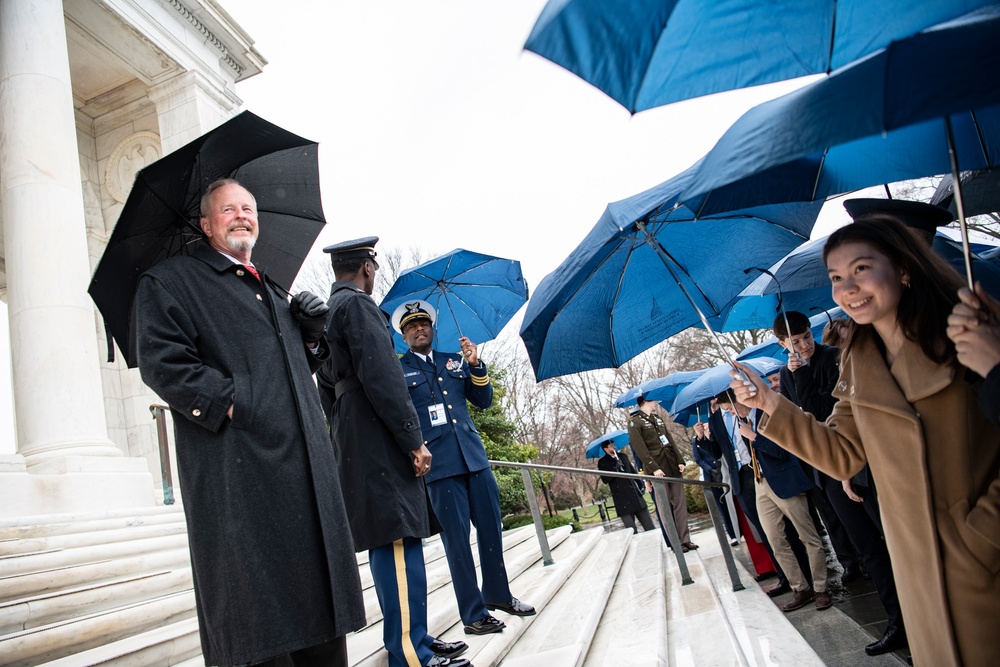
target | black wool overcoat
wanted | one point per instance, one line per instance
(625, 493)
(274, 566)
(373, 423)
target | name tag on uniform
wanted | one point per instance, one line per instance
(436, 414)
(663, 440)
(408, 375)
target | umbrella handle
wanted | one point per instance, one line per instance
(959, 203)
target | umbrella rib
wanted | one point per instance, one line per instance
(165, 204)
(819, 171)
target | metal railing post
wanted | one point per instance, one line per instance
(667, 520)
(543, 540)
(720, 531)
(161, 436)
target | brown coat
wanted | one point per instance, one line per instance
(649, 438)
(936, 463)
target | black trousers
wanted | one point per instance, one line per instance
(330, 654)
(866, 535)
(644, 519)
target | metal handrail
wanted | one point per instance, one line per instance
(666, 516)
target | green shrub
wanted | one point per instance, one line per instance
(549, 522)
(695, 495)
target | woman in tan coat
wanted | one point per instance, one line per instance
(906, 408)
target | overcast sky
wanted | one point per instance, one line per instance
(437, 130)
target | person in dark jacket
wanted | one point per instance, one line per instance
(781, 487)
(461, 485)
(376, 435)
(647, 433)
(627, 494)
(711, 471)
(234, 361)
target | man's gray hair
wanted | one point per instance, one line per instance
(212, 187)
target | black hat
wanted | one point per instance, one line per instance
(356, 249)
(914, 214)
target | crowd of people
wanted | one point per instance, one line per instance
(886, 437)
(277, 504)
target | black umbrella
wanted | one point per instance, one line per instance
(980, 192)
(160, 217)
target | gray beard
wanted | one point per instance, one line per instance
(240, 245)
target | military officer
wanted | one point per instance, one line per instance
(647, 434)
(460, 485)
(376, 435)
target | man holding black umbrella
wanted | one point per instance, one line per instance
(233, 358)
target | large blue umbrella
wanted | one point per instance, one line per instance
(619, 437)
(662, 389)
(696, 396)
(773, 349)
(474, 295)
(631, 282)
(800, 282)
(919, 107)
(646, 53)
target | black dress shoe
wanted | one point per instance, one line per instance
(438, 661)
(780, 589)
(852, 573)
(689, 546)
(485, 626)
(448, 649)
(893, 639)
(515, 607)
(764, 576)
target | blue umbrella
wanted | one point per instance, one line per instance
(916, 108)
(714, 380)
(801, 283)
(773, 349)
(646, 53)
(662, 389)
(474, 295)
(636, 277)
(619, 437)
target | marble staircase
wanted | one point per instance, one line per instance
(115, 589)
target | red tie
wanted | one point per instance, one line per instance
(254, 272)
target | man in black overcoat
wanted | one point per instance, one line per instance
(274, 572)
(376, 435)
(626, 493)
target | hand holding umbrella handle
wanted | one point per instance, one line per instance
(310, 312)
(469, 350)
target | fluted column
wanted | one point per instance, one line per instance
(55, 368)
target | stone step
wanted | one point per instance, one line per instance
(106, 536)
(173, 644)
(48, 608)
(41, 561)
(65, 524)
(365, 647)
(22, 585)
(633, 630)
(561, 634)
(93, 629)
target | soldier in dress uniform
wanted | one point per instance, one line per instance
(461, 486)
(383, 459)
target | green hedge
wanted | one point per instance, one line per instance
(550, 522)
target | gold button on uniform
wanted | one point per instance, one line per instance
(449, 407)
(440, 379)
(445, 392)
(454, 421)
(196, 412)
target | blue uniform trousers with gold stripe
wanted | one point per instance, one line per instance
(401, 584)
(457, 500)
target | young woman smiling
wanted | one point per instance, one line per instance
(906, 408)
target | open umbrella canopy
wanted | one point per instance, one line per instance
(474, 295)
(662, 389)
(803, 283)
(773, 349)
(878, 120)
(696, 396)
(646, 53)
(620, 291)
(160, 218)
(980, 193)
(619, 437)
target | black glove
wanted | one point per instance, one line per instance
(311, 312)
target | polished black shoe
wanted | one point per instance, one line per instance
(764, 576)
(689, 546)
(780, 589)
(515, 607)
(852, 573)
(485, 626)
(893, 640)
(438, 661)
(448, 649)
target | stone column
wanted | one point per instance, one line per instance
(55, 368)
(188, 106)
